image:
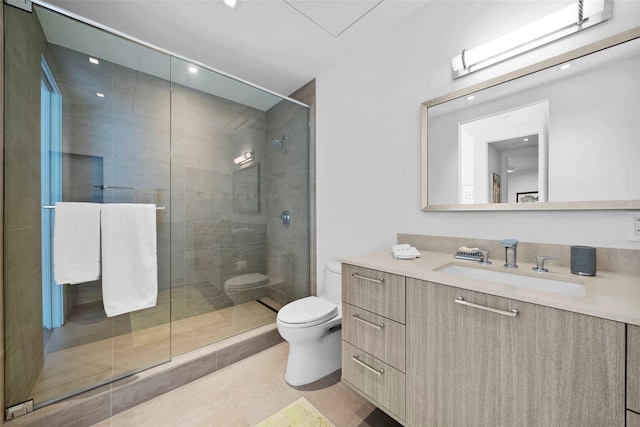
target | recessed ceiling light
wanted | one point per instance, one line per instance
(565, 66)
(526, 139)
(94, 60)
(511, 170)
(470, 97)
(100, 95)
(193, 69)
(231, 3)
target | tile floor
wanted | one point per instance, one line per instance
(246, 393)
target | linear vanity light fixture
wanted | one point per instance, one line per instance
(577, 16)
(243, 158)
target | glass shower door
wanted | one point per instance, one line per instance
(107, 141)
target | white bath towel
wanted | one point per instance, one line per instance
(76, 243)
(129, 258)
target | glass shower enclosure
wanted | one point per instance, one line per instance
(94, 117)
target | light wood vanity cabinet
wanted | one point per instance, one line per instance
(373, 333)
(469, 366)
(422, 353)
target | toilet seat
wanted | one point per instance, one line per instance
(307, 312)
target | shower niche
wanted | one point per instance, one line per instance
(131, 124)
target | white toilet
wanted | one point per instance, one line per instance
(311, 326)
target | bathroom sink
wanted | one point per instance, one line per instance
(515, 279)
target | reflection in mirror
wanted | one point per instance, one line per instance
(499, 155)
(563, 134)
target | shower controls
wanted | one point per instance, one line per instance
(285, 218)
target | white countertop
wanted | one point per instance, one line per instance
(607, 295)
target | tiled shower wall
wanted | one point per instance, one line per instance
(208, 237)
(22, 291)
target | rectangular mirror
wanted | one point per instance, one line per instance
(560, 134)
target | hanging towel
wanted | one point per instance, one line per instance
(129, 257)
(76, 243)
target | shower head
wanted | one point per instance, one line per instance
(279, 142)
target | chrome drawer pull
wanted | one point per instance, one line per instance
(513, 313)
(370, 279)
(366, 322)
(356, 358)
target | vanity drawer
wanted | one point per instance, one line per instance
(381, 337)
(382, 383)
(375, 291)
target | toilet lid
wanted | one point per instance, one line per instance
(309, 311)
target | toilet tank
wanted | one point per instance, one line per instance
(332, 289)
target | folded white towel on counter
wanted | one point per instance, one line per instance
(129, 256)
(76, 242)
(405, 251)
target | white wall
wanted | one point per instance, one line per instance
(368, 132)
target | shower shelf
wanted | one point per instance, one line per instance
(112, 187)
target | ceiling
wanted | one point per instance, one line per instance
(277, 44)
(66, 32)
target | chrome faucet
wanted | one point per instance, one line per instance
(513, 245)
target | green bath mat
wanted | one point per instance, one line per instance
(300, 413)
